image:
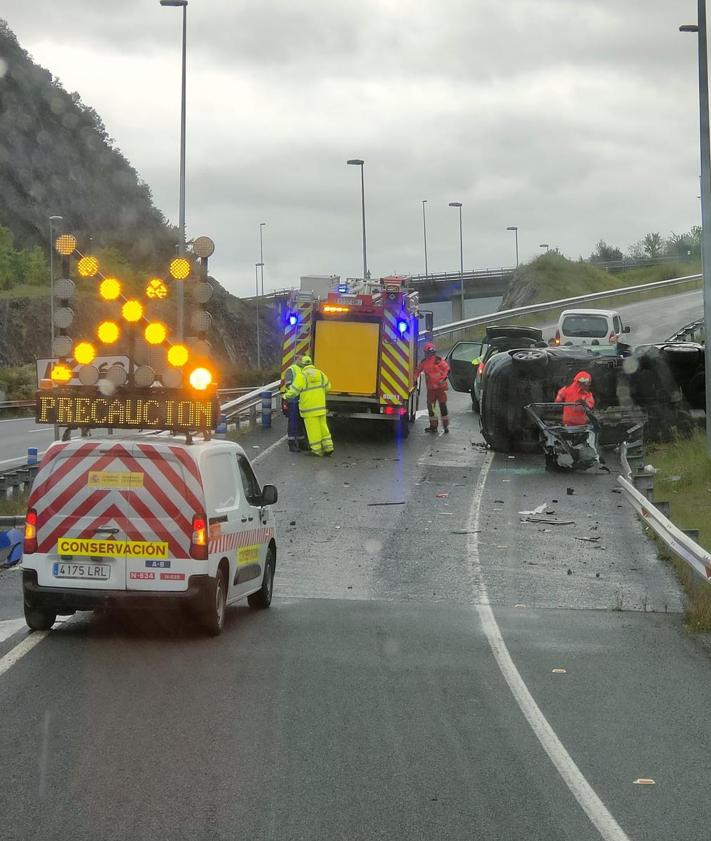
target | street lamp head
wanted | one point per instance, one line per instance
(544, 245)
(174, 2)
(262, 224)
(258, 264)
(689, 27)
(512, 228)
(56, 218)
(455, 204)
(355, 162)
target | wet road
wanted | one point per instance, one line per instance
(375, 699)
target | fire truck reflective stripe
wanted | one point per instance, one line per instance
(392, 387)
(395, 364)
(297, 338)
(396, 374)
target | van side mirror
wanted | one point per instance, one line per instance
(626, 328)
(269, 495)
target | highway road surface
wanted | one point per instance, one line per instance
(431, 667)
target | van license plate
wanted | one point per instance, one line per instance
(100, 572)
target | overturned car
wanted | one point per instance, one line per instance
(655, 384)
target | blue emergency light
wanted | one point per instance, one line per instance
(402, 326)
(293, 318)
(342, 288)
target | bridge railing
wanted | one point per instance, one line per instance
(458, 331)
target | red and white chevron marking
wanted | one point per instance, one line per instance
(230, 542)
(161, 510)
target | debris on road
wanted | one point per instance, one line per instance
(650, 468)
(570, 491)
(442, 495)
(539, 509)
(644, 781)
(559, 671)
(570, 571)
(616, 490)
(548, 521)
(587, 539)
(399, 502)
(465, 531)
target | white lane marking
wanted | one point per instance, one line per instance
(18, 420)
(8, 627)
(420, 413)
(581, 789)
(19, 651)
(269, 449)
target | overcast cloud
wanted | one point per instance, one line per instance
(574, 119)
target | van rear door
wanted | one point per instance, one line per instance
(82, 520)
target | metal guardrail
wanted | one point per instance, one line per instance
(12, 521)
(247, 402)
(16, 404)
(691, 332)
(502, 315)
(674, 538)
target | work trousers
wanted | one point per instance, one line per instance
(433, 398)
(318, 434)
(296, 432)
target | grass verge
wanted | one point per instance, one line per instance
(684, 478)
(13, 505)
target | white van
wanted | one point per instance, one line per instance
(590, 327)
(146, 522)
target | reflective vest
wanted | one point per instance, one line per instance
(290, 375)
(311, 387)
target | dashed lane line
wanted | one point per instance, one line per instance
(581, 789)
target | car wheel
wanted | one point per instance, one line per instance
(532, 361)
(263, 597)
(213, 613)
(39, 618)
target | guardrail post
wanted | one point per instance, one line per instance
(13, 483)
(644, 482)
(253, 416)
(663, 507)
(266, 405)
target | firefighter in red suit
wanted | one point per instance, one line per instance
(577, 392)
(435, 370)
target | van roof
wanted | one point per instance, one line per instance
(606, 313)
(159, 443)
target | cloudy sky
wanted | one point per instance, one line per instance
(574, 119)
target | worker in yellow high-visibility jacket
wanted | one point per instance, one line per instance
(311, 387)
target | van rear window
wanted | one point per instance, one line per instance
(585, 326)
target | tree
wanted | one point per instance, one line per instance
(604, 252)
(653, 244)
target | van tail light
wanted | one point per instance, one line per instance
(480, 370)
(198, 541)
(556, 339)
(30, 532)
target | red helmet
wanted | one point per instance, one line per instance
(429, 348)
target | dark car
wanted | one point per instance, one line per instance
(468, 360)
(656, 383)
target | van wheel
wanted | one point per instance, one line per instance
(213, 612)
(263, 597)
(39, 618)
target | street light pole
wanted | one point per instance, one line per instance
(544, 245)
(515, 230)
(261, 253)
(424, 230)
(256, 290)
(181, 209)
(461, 257)
(51, 283)
(360, 163)
(705, 150)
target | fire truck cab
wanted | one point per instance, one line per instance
(367, 337)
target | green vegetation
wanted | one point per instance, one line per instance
(13, 505)
(684, 478)
(56, 157)
(26, 268)
(18, 382)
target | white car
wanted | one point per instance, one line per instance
(590, 327)
(147, 522)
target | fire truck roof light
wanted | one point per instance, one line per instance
(331, 308)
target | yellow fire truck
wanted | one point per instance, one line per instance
(366, 336)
